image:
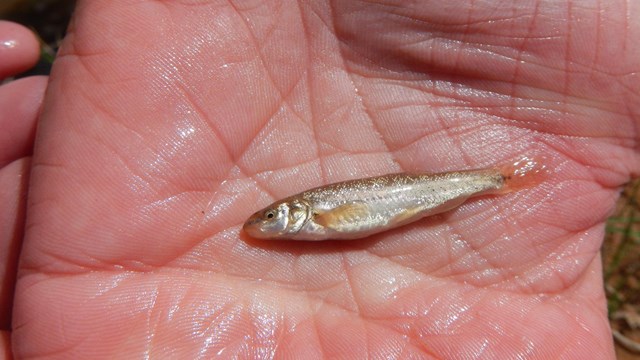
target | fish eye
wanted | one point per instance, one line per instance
(269, 214)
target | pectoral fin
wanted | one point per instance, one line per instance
(344, 215)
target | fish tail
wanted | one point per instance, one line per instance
(523, 173)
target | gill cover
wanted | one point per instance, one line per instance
(280, 220)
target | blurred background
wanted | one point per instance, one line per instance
(47, 18)
(620, 252)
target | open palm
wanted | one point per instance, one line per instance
(168, 123)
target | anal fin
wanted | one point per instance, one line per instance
(406, 216)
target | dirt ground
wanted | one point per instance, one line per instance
(620, 254)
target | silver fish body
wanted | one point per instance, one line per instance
(359, 208)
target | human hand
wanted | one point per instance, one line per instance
(20, 102)
(167, 124)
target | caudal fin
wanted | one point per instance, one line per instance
(524, 173)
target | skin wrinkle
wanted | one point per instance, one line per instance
(564, 139)
(518, 57)
(316, 327)
(258, 44)
(414, 271)
(214, 320)
(518, 62)
(129, 129)
(508, 119)
(629, 20)
(281, 330)
(283, 97)
(222, 312)
(284, 168)
(328, 26)
(489, 93)
(485, 261)
(95, 78)
(595, 60)
(152, 321)
(259, 49)
(635, 125)
(242, 153)
(544, 66)
(630, 89)
(338, 110)
(526, 285)
(169, 197)
(432, 327)
(314, 292)
(201, 114)
(102, 265)
(286, 97)
(451, 258)
(537, 245)
(570, 155)
(415, 62)
(116, 151)
(512, 219)
(450, 25)
(571, 317)
(448, 131)
(243, 172)
(264, 187)
(555, 113)
(362, 101)
(309, 84)
(567, 60)
(353, 299)
(464, 37)
(554, 274)
(346, 153)
(397, 257)
(296, 287)
(144, 176)
(60, 351)
(366, 326)
(83, 62)
(393, 261)
(457, 144)
(368, 321)
(268, 275)
(508, 277)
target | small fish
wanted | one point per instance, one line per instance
(359, 208)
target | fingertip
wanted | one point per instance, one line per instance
(19, 48)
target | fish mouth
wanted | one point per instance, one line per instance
(253, 227)
(253, 231)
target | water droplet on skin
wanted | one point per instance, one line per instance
(9, 44)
